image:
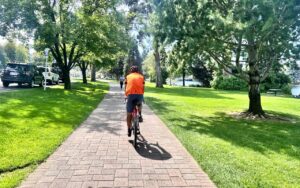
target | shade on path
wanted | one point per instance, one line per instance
(100, 154)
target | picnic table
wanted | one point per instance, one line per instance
(274, 91)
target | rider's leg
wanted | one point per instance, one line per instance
(129, 118)
(140, 112)
(129, 109)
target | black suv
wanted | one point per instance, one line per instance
(21, 73)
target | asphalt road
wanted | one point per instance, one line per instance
(13, 87)
(2, 89)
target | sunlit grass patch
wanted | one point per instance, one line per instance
(234, 152)
(35, 122)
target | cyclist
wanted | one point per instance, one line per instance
(121, 82)
(134, 91)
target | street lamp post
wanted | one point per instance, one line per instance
(46, 68)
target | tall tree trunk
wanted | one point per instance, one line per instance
(84, 80)
(255, 107)
(83, 70)
(83, 66)
(183, 76)
(159, 80)
(93, 73)
(66, 77)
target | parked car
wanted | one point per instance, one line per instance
(21, 74)
(55, 68)
(49, 75)
(188, 82)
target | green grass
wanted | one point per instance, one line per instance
(34, 123)
(233, 152)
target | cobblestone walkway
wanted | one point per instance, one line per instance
(99, 154)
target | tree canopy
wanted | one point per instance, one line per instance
(70, 29)
(225, 31)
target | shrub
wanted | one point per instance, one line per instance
(229, 83)
(276, 81)
(287, 89)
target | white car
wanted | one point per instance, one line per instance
(50, 76)
(188, 82)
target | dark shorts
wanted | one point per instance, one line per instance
(132, 100)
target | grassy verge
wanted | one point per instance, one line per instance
(34, 123)
(234, 153)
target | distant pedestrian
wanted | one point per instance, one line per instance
(121, 82)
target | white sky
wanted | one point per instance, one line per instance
(2, 41)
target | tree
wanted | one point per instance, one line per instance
(137, 19)
(3, 58)
(68, 28)
(159, 80)
(225, 30)
(21, 54)
(201, 71)
(117, 70)
(83, 65)
(15, 53)
(134, 58)
(106, 45)
(62, 32)
(10, 51)
(294, 71)
(150, 66)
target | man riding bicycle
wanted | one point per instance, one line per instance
(134, 91)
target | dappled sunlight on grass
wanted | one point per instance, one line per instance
(34, 122)
(234, 152)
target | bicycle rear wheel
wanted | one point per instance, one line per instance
(136, 124)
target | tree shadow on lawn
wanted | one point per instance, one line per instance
(159, 106)
(190, 92)
(259, 135)
(55, 109)
(53, 106)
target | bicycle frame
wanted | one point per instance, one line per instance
(135, 124)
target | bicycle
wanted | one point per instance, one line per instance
(135, 124)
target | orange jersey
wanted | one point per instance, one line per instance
(134, 84)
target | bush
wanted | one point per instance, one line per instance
(164, 73)
(229, 83)
(276, 81)
(194, 85)
(287, 89)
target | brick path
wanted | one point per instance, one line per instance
(99, 154)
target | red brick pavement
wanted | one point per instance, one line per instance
(99, 154)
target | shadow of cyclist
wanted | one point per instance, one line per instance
(151, 151)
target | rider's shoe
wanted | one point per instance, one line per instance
(129, 132)
(141, 119)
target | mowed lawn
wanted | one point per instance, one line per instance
(233, 152)
(33, 123)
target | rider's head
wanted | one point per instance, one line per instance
(134, 69)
